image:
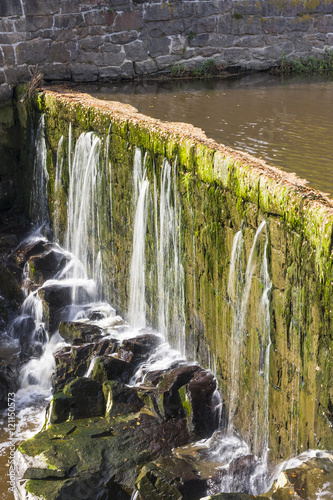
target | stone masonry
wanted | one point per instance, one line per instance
(89, 40)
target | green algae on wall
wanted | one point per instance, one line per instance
(220, 192)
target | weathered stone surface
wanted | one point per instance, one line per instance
(12, 8)
(34, 52)
(80, 332)
(41, 7)
(80, 398)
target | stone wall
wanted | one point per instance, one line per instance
(85, 40)
(221, 192)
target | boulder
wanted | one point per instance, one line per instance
(120, 399)
(172, 478)
(79, 332)
(138, 349)
(111, 368)
(45, 266)
(80, 398)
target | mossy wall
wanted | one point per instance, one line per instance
(222, 191)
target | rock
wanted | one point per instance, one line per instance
(138, 349)
(237, 496)
(45, 266)
(171, 478)
(9, 374)
(121, 400)
(80, 398)
(31, 339)
(201, 391)
(59, 296)
(110, 368)
(79, 332)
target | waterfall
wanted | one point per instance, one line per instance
(39, 211)
(241, 295)
(170, 272)
(137, 302)
(82, 216)
(57, 187)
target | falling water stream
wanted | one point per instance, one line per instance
(82, 258)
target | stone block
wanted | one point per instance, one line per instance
(18, 74)
(10, 38)
(159, 47)
(34, 23)
(273, 25)
(128, 21)
(58, 52)
(184, 10)
(33, 52)
(136, 51)
(110, 73)
(6, 25)
(91, 43)
(84, 72)
(41, 7)
(147, 67)
(2, 76)
(95, 18)
(204, 9)
(329, 39)
(249, 41)
(2, 59)
(59, 72)
(220, 41)
(178, 44)
(92, 57)
(124, 37)
(73, 50)
(165, 62)
(68, 21)
(208, 25)
(199, 40)
(157, 12)
(113, 58)
(70, 6)
(10, 8)
(156, 29)
(324, 24)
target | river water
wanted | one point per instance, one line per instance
(286, 121)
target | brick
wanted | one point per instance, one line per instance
(41, 7)
(10, 8)
(69, 21)
(33, 52)
(128, 21)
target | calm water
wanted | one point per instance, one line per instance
(287, 122)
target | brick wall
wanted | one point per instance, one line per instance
(88, 40)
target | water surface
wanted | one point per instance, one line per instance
(285, 121)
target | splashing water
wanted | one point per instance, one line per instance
(39, 211)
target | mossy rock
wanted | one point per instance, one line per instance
(80, 332)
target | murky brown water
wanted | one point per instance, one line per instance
(287, 122)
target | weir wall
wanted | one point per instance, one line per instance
(85, 40)
(220, 192)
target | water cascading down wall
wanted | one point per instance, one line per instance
(234, 258)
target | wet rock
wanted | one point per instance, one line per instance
(235, 496)
(201, 390)
(138, 349)
(28, 248)
(58, 297)
(71, 362)
(111, 368)
(9, 374)
(121, 400)
(80, 398)
(75, 331)
(171, 478)
(45, 266)
(312, 479)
